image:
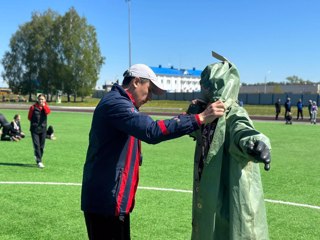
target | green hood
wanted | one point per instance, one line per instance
(220, 81)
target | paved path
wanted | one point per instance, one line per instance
(91, 109)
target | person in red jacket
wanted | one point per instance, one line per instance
(114, 156)
(38, 127)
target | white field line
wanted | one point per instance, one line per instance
(292, 204)
(156, 189)
(42, 183)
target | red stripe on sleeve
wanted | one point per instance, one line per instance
(198, 119)
(135, 179)
(163, 127)
(31, 109)
(46, 109)
(125, 175)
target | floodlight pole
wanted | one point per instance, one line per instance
(129, 30)
(265, 82)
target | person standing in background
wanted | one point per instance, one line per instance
(314, 111)
(287, 107)
(278, 108)
(38, 127)
(299, 109)
(309, 108)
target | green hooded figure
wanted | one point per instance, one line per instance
(228, 200)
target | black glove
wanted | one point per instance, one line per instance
(260, 151)
(197, 106)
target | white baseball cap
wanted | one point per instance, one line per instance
(143, 71)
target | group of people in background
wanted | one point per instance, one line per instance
(312, 110)
(37, 116)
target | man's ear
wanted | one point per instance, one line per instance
(135, 82)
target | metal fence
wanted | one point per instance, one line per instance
(271, 98)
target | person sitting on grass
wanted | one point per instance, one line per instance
(50, 133)
(16, 127)
(7, 131)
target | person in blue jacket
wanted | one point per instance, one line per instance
(299, 109)
(111, 169)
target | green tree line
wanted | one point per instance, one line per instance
(53, 53)
(290, 80)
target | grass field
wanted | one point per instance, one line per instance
(52, 211)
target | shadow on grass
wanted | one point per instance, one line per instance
(18, 164)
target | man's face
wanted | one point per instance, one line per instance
(142, 93)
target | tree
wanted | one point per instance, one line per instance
(296, 80)
(53, 52)
(80, 55)
(27, 64)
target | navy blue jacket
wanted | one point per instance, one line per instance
(111, 170)
(299, 105)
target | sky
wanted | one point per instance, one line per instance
(266, 40)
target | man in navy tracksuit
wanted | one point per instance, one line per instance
(111, 170)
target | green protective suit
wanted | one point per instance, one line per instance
(228, 200)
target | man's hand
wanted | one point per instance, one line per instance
(212, 112)
(197, 106)
(260, 151)
(42, 103)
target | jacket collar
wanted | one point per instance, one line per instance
(123, 92)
